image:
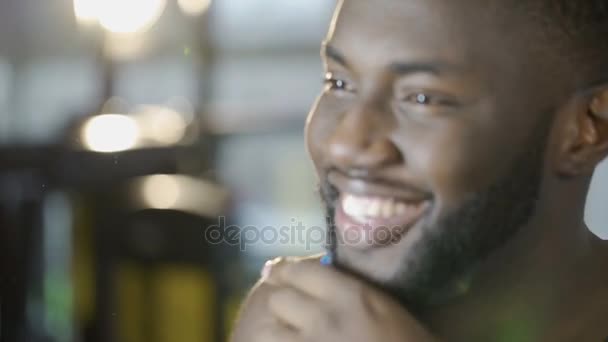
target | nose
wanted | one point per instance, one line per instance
(362, 139)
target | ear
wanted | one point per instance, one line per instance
(584, 142)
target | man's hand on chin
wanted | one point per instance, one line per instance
(302, 300)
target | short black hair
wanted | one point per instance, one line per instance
(579, 31)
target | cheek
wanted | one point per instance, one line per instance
(320, 124)
(313, 136)
(455, 159)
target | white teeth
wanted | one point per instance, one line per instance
(361, 208)
(400, 208)
(355, 207)
(373, 210)
(388, 209)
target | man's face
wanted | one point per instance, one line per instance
(428, 138)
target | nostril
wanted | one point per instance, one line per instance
(359, 154)
(382, 152)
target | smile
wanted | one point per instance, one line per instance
(364, 209)
(367, 215)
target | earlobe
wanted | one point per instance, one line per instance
(599, 105)
(598, 111)
(584, 142)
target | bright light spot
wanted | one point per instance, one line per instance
(160, 124)
(110, 133)
(182, 193)
(161, 191)
(86, 11)
(129, 16)
(194, 7)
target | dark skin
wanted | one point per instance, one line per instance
(444, 96)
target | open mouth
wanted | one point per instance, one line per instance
(368, 216)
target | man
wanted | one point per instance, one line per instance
(454, 143)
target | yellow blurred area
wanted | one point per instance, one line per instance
(182, 309)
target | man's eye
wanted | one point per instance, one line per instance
(422, 99)
(336, 84)
(428, 100)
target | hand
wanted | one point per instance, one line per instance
(255, 318)
(306, 301)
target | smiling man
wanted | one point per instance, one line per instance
(454, 143)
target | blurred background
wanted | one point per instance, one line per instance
(135, 137)
(132, 134)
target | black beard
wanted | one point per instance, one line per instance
(463, 238)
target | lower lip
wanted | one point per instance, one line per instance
(374, 233)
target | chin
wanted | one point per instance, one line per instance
(386, 264)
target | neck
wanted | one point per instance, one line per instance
(522, 291)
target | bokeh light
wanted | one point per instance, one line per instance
(110, 133)
(129, 16)
(161, 125)
(179, 192)
(87, 11)
(120, 16)
(194, 7)
(161, 191)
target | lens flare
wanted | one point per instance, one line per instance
(161, 191)
(130, 16)
(86, 11)
(110, 133)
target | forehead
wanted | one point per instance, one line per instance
(464, 33)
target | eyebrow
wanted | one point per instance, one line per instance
(331, 52)
(405, 68)
(400, 68)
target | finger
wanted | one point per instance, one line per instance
(269, 272)
(254, 314)
(319, 281)
(298, 310)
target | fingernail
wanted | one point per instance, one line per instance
(266, 270)
(268, 267)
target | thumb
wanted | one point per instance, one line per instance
(271, 270)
